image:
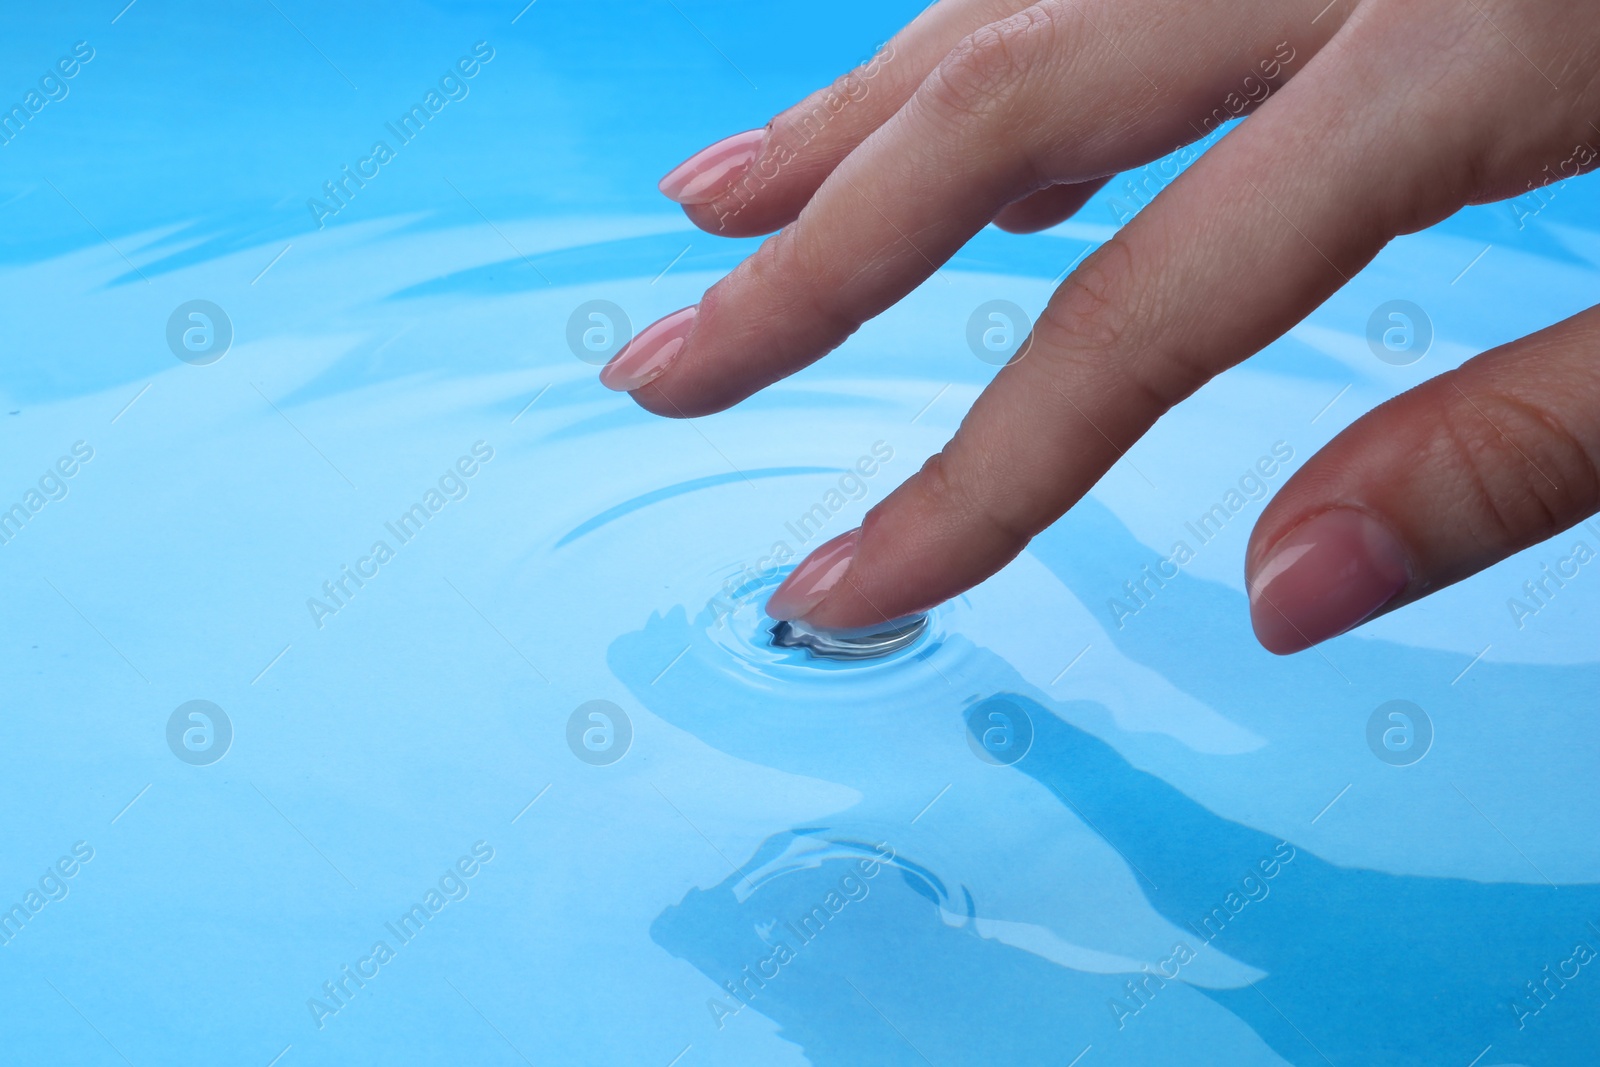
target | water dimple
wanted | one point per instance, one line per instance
(849, 646)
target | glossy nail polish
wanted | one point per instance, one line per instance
(646, 357)
(708, 173)
(803, 590)
(1324, 577)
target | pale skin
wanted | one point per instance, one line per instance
(1392, 115)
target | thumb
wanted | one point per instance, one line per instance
(1431, 487)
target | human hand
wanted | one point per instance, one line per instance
(1372, 119)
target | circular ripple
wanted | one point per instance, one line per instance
(741, 630)
(851, 646)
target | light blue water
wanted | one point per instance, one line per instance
(1157, 796)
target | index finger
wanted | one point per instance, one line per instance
(1235, 252)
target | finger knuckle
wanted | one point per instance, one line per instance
(945, 493)
(982, 73)
(1099, 307)
(810, 125)
(1533, 474)
(808, 122)
(1104, 318)
(1090, 309)
(783, 273)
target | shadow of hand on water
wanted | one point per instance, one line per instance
(1196, 634)
(1362, 967)
(1358, 966)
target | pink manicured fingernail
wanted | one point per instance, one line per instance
(646, 357)
(707, 174)
(803, 590)
(1324, 577)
